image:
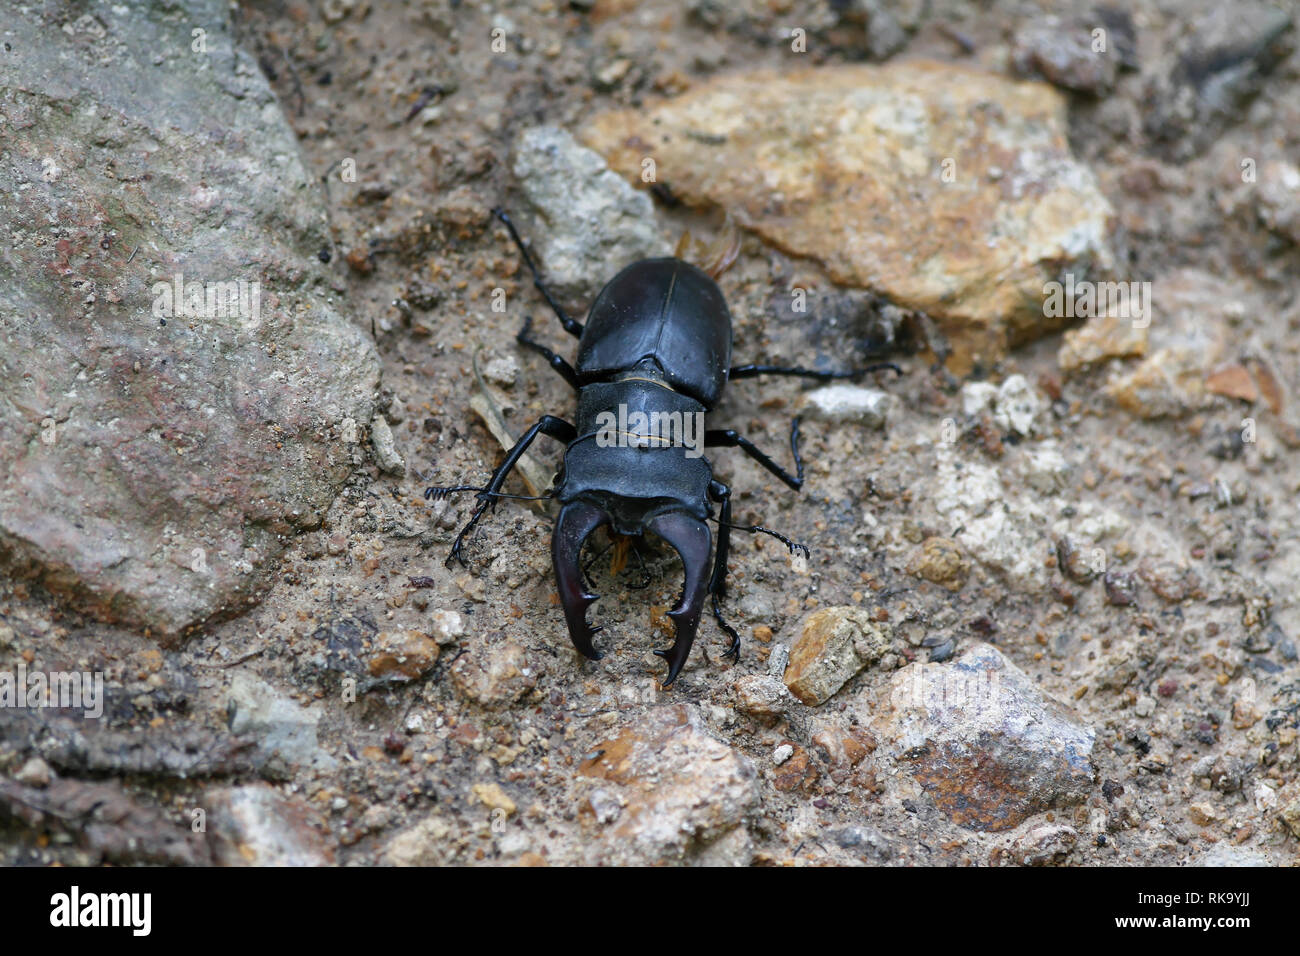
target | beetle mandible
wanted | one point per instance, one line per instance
(657, 341)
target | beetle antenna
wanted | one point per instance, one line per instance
(757, 529)
(438, 494)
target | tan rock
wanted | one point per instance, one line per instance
(1101, 338)
(1192, 315)
(941, 561)
(1232, 381)
(402, 655)
(760, 695)
(836, 643)
(494, 675)
(684, 794)
(493, 797)
(903, 178)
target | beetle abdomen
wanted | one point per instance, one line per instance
(667, 310)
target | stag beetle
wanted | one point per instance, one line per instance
(656, 347)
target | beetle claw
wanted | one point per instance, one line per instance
(691, 539)
(577, 520)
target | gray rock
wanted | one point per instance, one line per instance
(386, 454)
(980, 737)
(1222, 854)
(588, 222)
(282, 727)
(866, 842)
(1206, 85)
(1061, 52)
(256, 826)
(152, 462)
(1046, 843)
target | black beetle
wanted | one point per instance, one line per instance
(656, 348)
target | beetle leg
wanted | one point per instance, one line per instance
(750, 371)
(572, 326)
(577, 520)
(556, 362)
(692, 540)
(556, 428)
(730, 438)
(718, 583)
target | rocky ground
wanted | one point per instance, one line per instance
(1048, 616)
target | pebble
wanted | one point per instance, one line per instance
(685, 794)
(447, 626)
(494, 675)
(1044, 844)
(34, 773)
(942, 562)
(782, 753)
(280, 725)
(585, 219)
(402, 655)
(834, 644)
(849, 404)
(256, 825)
(385, 446)
(760, 695)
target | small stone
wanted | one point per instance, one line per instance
(686, 793)
(279, 725)
(1061, 52)
(782, 753)
(984, 741)
(942, 562)
(587, 219)
(1121, 588)
(778, 660)
(760, 695)
(402, 655)
(1018, 405)
(849, 404)
(1279, 198)
(1202, 814)
(604, 805)
(35, 773)
(448, 626)
(502, 371)
(1145, 706)
(835, 644)
(494, 675)
(493, 797)
(1101, 338)
(1232, 381)
(1245, 714)
(386, 456)
(255, 825)
(1045, 844)
(1288, 799)
(1265, 798)
(427, 843)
